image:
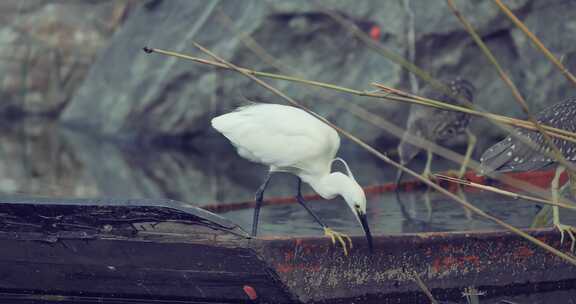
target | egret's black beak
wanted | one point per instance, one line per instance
(364, 222)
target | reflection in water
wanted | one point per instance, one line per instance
(385, 215)
(41, 159)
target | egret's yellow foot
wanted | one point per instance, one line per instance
(340, 237)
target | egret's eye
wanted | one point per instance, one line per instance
(357, 206)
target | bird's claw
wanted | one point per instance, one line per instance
(340, 237)
(569, 230)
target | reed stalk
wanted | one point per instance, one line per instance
(556, 153)
(568, 258)
(539, 45)
(511, 194)
(387, 126)
(559, 133)
(423, 287)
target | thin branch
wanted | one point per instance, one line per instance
(411, 42)
(252, 44)
(539, 45)
(570, 259)
(387, 126)
(390, 55)
(395, 130)
(436, 84)
(517, 96)
(423, 287)
(421, 101)
(405, 96)
(392, 128)
(513, 195)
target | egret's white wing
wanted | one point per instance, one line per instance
(280, 136)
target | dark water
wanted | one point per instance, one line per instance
(385, 215)
(42, 159)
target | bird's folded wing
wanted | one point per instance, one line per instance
(279, 140)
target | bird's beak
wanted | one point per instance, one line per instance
(364, 222)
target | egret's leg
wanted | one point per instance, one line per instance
(427, 168)
(327, 230)
(469, 149)
(556, 212)
(259, 199)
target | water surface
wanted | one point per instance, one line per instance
(38, 158)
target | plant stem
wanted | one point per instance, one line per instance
(557, 154)
(539, 45)
(570, 259)
(562, 134)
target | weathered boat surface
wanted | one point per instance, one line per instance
(126, 251)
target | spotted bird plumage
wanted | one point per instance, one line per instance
(513, 154)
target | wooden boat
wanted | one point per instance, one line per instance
(163, 251)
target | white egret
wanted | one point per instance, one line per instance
(289, 139)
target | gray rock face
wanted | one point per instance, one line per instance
(130, 92)
(46, 49)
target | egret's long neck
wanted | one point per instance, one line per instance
(328, 186)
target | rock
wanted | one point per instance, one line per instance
(153, 95)
(128, 92)
(542, 83)
(141, 94)
(47, 47)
